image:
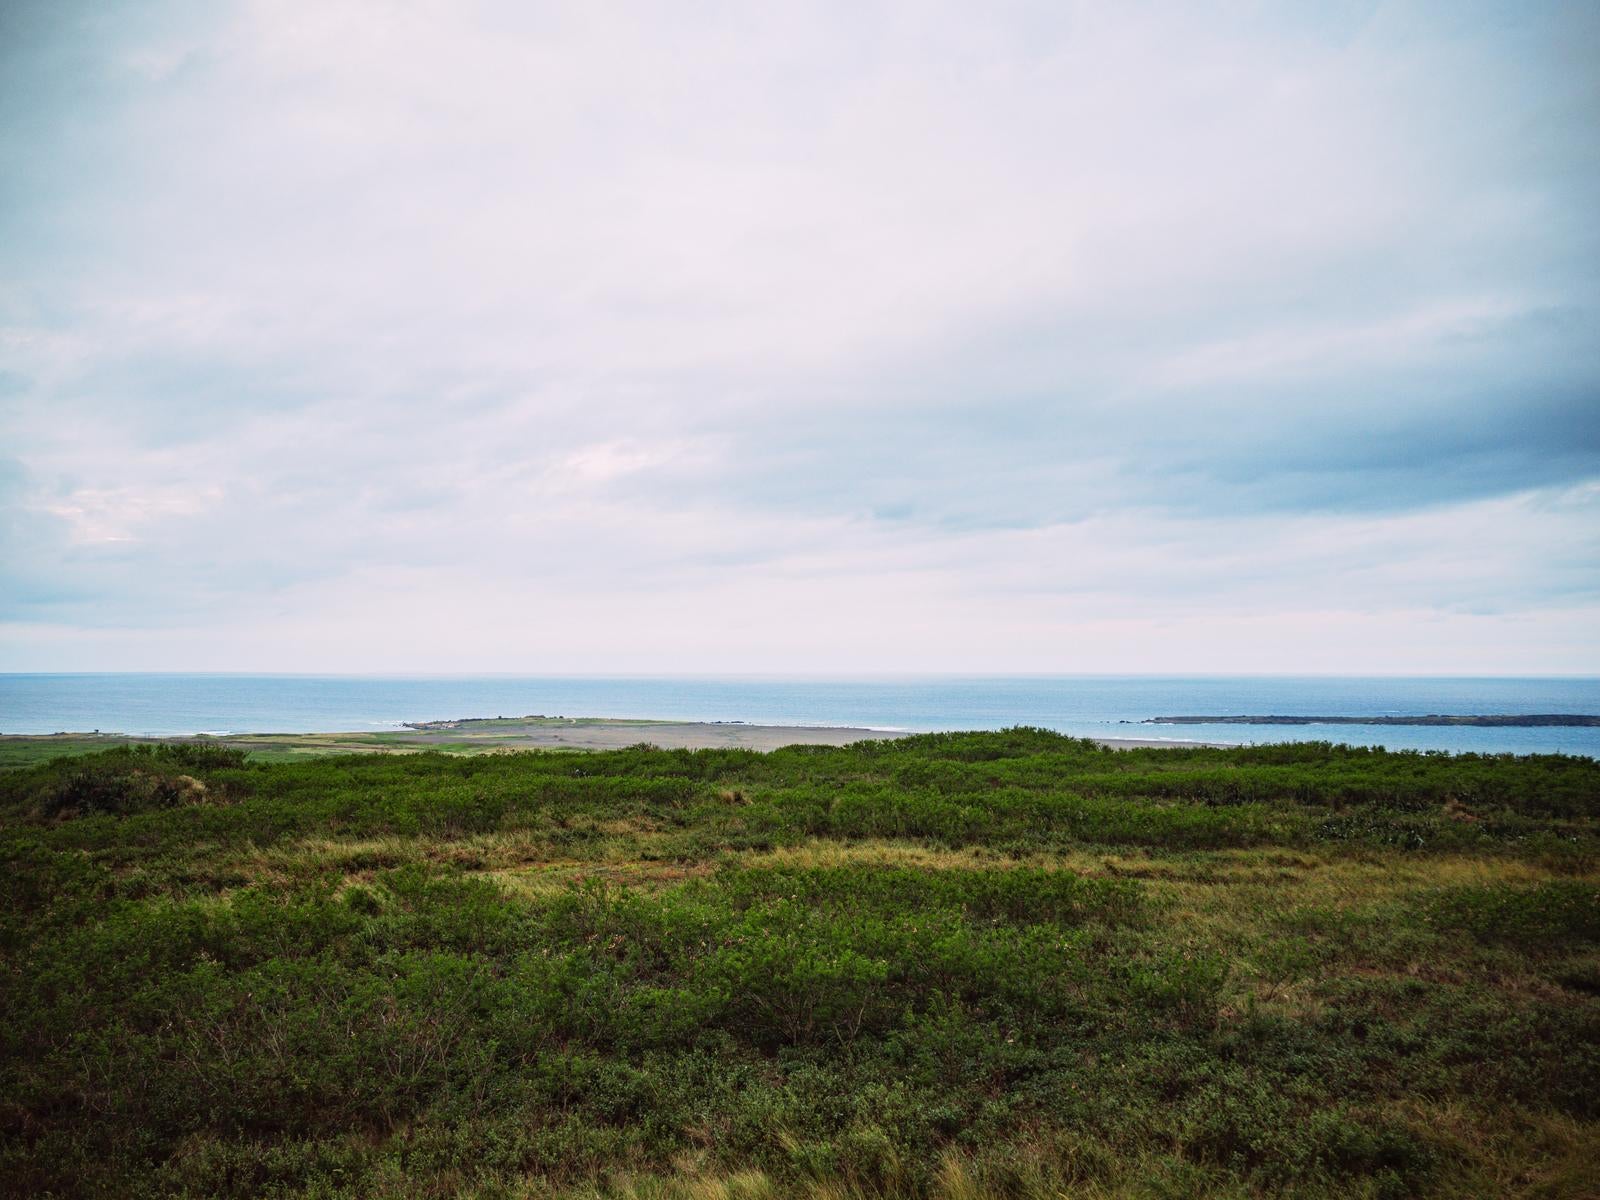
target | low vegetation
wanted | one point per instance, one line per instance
(1007, 964)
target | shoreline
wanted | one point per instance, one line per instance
(490, 734)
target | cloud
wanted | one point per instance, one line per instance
(1005, 333)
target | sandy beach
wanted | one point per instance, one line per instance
(597, 733)
(605, 733)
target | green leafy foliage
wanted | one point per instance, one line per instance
(985, 964)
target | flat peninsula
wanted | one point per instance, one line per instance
(1498, 721)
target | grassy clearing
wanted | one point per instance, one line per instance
(954, 966)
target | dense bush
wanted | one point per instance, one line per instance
(1007, 964)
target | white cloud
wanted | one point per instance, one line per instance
(883, 336)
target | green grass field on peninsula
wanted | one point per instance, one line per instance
(992, 964)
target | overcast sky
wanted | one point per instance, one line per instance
(856, 337)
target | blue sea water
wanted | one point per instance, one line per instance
(1087, 706)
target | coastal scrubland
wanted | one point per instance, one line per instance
(963, 965)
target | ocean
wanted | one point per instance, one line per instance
(1087, 706)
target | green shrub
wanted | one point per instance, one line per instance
(97, 789)
(1561, 912)
(526, 974)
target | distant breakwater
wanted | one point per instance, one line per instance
(1525, 720)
